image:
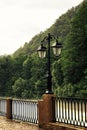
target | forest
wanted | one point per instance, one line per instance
(23, 74)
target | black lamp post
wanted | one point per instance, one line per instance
(42, 54)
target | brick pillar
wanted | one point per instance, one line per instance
(46, 109)
(9, 108)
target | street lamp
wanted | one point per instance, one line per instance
(42, 54)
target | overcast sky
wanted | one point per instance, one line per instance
(20, 20)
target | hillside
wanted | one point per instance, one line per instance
(60, 28)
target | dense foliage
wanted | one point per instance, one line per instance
(23, 74)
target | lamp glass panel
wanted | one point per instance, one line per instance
(56, 51)
(42, 54)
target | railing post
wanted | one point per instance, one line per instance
(9, 108)
(46, 109)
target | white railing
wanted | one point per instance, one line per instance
(25, 110)
(2, 106)
(71, 111)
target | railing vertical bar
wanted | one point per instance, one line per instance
(68, 112)
(81, 113)
(3, 106)
(34, 112)
(75, 111)
(62, 111)
(29, 111)
(0, 106)
(71, 112)
(56, 109)
(84, 113)
(20, 111)
(78, 113)
(25, 111)
(20, 104)
(65, 113)
(59, 112)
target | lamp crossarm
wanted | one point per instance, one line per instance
(49, 36)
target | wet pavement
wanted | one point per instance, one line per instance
(6, 124)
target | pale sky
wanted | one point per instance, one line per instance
(20, 20)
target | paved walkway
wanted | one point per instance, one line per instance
(6, 124)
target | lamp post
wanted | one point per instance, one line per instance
(42, 54)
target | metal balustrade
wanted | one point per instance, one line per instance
(71, 111)
(67, 110)
(2, 107)
(25, 110)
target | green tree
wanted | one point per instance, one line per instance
(6, 73)
(27, 65)
(38, 73)
(19, 87)
(75, 55)
(57, 74)
(74, 58)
